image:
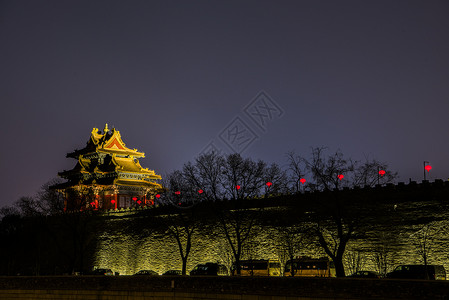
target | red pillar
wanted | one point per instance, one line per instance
(96, 201)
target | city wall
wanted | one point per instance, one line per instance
(394, 218)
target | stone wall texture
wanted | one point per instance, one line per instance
(395, 218)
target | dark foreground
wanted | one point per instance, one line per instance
(161, 287)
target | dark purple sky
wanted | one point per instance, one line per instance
(368, 77)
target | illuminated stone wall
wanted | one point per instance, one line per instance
(125, 253)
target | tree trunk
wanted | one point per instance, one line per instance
(292, 268)
(237, 266)
(184, 265)
(339, 268)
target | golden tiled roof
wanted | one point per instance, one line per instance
(127, 164)
(106, 160)
(111, 142)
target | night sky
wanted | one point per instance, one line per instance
(368, 77)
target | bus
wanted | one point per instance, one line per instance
(259, 267)
(307, 266)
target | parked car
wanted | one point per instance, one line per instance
(147, 272)
(105, 272)
(365, 274)
(172, 273)
(431, 272)
(211, 269)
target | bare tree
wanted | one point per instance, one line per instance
(28, 207)
(8, 211)
(50, 201)
(383, 259)
(276, 180)
(383, 254)
(333, 235)
(178, 191)
(338, 218)
(290, 240)
(237, 226)
(296, 169)
(215, 177)
(182, 227)
(242, 178)
(355, 260)
(206, 174)
(250, 252)
(46, 202)
(423, 240)
(233, 177)
(225, 254)
(180, 221)
(371, 173)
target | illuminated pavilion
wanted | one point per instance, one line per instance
(107, 175)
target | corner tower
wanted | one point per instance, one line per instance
(107, 175)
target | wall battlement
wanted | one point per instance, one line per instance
(400, 191)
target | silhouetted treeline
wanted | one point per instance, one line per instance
(39, 239)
